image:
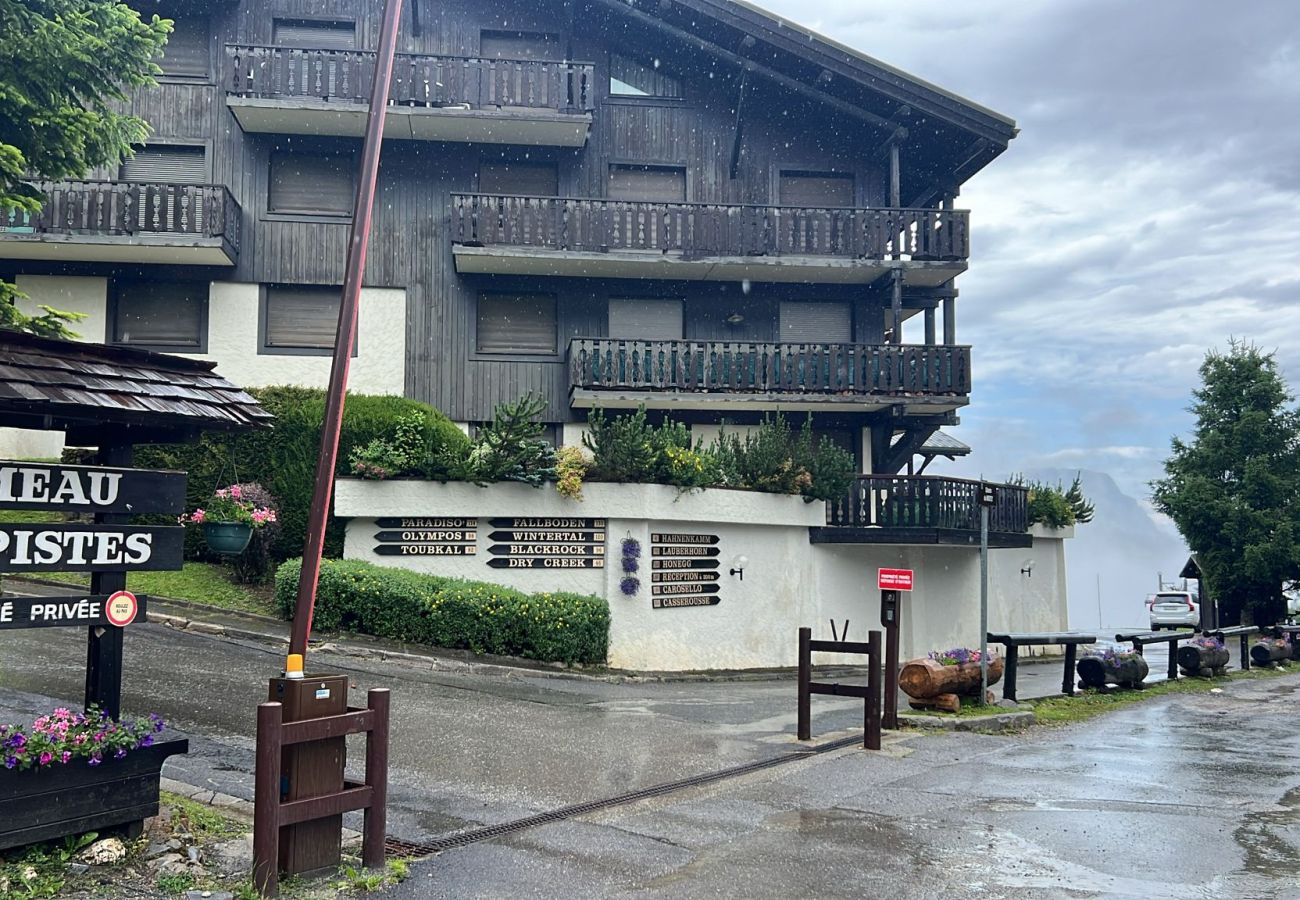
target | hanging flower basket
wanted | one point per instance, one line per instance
(227, 538)
(228, 521)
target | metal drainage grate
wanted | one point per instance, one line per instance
(408, 850)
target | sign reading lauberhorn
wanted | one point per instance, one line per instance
(90, 489)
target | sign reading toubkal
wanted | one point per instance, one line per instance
(683, 569)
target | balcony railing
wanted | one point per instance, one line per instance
(130, 208)
(928, 502)
(709, 229)
(778, 368)
(344, 76)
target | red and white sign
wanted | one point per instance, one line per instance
(120, 609)
(895, 579)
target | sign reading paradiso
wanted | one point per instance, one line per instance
(539, 543)
(683, 569)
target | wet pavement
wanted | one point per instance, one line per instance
(1183, 796)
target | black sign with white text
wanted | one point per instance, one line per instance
(682, 565)
(426, 549)
(672, 602)
(546, 562)
(53, 612)
(69, 547)
(90, 489)
(428, 522)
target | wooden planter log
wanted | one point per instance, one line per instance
(1202, 661)
(930, 684)
(62, 800)
(1267, 652)
(1095, 672)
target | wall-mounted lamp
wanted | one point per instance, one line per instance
(735, 319)
(1028, 568)
(738, 566)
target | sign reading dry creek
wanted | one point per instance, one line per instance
(434, 536)
(540, 543)
(683, 569)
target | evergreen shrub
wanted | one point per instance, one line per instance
(402, 605)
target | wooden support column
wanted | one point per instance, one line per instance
(896, 305)
(895, 177)
(950, 320)
(104, 642)
(929, 326)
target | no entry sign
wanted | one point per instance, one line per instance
(895, 579)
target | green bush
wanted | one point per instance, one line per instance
(283, 459)
(1055, 505)
(402, 605)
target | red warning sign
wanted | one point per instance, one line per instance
(121, 608)
(895, 579)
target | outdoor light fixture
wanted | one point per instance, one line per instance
(738, 566)
(735, 319)
(1028, 568)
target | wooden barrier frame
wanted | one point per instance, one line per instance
(1240, 631)
(1012, 641)
(271, 813)
(1139, 639)
(870, 693)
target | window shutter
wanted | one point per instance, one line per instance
(651, 184)
(167, 165)
(161, 314)
(312, 183)
(315, 35)
(516, 323)
(629, 78)
(519, 178)
(816, 323)
(187, 53)
(816, 189)
(302, 317)
(519, 45)
(646, 320)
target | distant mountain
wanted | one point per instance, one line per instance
(1122, 551)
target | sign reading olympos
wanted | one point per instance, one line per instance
(68, 547)
(681, 565)
(90, 489)
(427, 536)
(120, 609)
(541, 543)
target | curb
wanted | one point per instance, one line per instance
(998, 723)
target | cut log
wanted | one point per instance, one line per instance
(1195, 660)
(923, 679)
(1266, 652)
(1095, 672)
(945, 702)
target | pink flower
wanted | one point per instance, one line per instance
(66, 756)
(236, 491)
(99, 736)
(46, 758)
(79, 739)
(223, 493)
(197, 516)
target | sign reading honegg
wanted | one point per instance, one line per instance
(90, 489)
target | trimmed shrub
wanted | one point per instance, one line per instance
(283, 459)
(402, 605)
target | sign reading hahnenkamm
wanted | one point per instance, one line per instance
(51, 612)
(540, 543)
(682, 565)
(672, 538)
(90, 489)
(67, 547)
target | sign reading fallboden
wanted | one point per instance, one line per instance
(90, 489)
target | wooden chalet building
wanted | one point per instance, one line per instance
(688, 204)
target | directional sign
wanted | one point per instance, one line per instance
(426, 535)
(546, 550)
(673, 602)
(67, 547)
(684, 564)
(120, 609)
(663, 590)
(417, 522)
(90, 489)
(895, 579)
(592, 537)
(426, 550)
(689, 575)
(675, 538)
(547, 524)
(546, 562)
(662, 551)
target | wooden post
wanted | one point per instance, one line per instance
(871, 738)
(896, 305)
(895, 177)
(266, 800)
(929, 326)
(950, 321)
(1009, 672)
(1172, 673)
(1245, 655)
(1067, 683)
(805, 682)
(104, 643)
(376, 814)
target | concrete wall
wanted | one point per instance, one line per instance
(787, 582)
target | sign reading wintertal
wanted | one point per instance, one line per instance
(68, 547)
(90, 489)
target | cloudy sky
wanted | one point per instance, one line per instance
(1149, 209)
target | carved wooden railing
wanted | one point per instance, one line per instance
(925, 501)
(709, 229)
(128, 208)
(760, 367)
(418, 80)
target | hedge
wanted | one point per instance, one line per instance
(402, 605)
(283, 459)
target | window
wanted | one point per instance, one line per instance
(519, 45)
(300, 319)
(186, 54)
(816, 189)
(530, 179)
(166, 164)
(645, 320)
(161, 315)
(316, 34)
(816, 323)
(631, 78)
(516, 323)
(312, 184)
(652, 184)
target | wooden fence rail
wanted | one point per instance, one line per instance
(927, 501)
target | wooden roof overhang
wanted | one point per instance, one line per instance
(100, 394)
(961, 136)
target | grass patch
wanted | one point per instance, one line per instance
(200, 820)
(1089, 704)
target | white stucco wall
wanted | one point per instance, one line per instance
(788, 582)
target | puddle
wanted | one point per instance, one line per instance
(1270, 839)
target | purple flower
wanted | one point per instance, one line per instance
(629, 586)
(96, 759)
(11, 761)
(120, 753)
(631, 548)
(146, 741)
(630, 564)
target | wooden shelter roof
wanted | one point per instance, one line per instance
(99, 393)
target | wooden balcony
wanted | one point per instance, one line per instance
(705, 241)
(292, 90)
(735, 375)
(925, 509)
(126, 222)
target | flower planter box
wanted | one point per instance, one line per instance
(931, 685)
(1202, 661)
(61, 800)
(1268, 652)
(1096, 672)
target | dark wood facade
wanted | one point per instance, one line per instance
(755, 101)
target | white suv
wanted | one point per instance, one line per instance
(1173, 609)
